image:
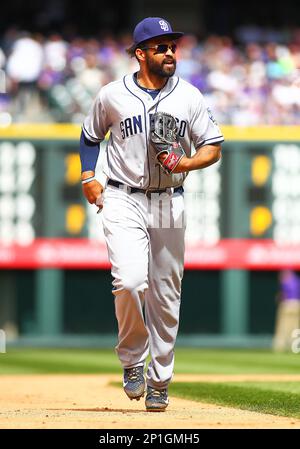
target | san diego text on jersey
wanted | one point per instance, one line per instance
(134, 125)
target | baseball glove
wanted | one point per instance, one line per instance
(163, 136)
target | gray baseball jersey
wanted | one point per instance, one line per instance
(147, 260)
(125, 109)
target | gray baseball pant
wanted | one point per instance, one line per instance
(145, 242)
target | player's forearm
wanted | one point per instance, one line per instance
(204, 157)
(88, 152)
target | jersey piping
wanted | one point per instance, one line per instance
(217, 139)
(146, 130)
(93, 139)
(169, 93)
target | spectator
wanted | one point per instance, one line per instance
(24, 66)
(288, 311)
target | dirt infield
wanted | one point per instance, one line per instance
(88, 401)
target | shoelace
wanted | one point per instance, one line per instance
(158, 393)
(134, 374)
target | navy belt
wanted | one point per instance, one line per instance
(148, 192)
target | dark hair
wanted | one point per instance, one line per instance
(131, 50)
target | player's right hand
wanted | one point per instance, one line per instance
(93, 191)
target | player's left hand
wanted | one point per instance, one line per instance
(164, 139)
(180, 168)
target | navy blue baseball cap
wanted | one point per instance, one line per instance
(153, 27)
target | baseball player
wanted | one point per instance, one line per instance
(154, 119)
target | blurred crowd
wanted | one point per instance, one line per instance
(246, 82)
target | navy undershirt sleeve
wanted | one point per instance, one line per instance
(89, 152)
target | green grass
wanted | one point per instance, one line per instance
(276, 398)
(44, 361)
(235, 361)
(187, 360)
